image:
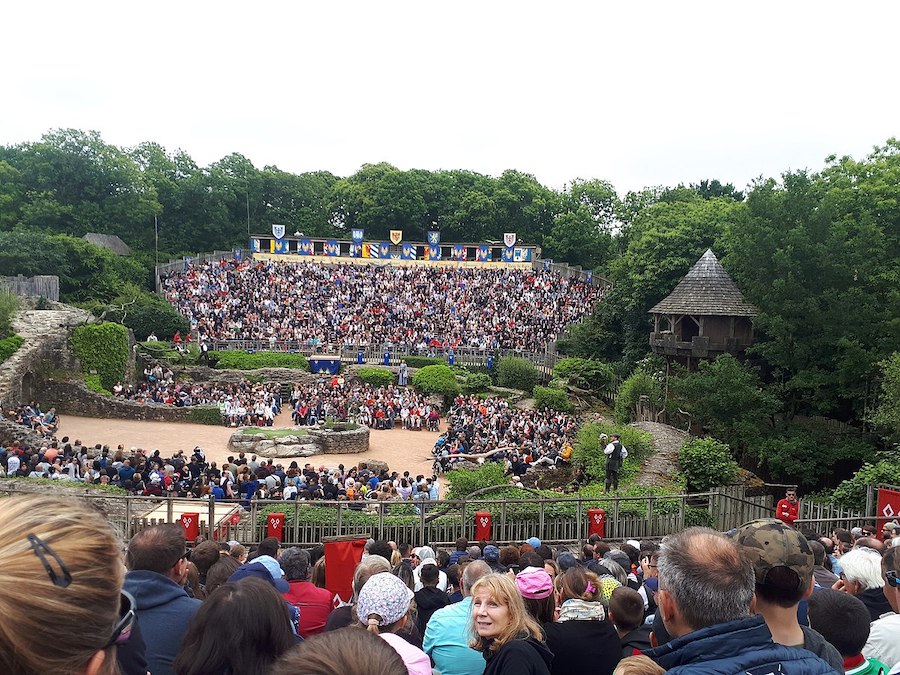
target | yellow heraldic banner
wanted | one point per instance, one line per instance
(396, 236)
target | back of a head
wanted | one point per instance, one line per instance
(863, 566)
(204, 555)
(429, 575)
(782, 560)
(367, 568)
(627, 607)
(842, 619)
(295, 563)
(638, 665)
(818, 552)
(241, 628)
(268, 546)
(381, 548)
(341, 651)
(577, 583)
(61, 567)
(218, 574)
(706, 576)
(472, 573)
(156, 549)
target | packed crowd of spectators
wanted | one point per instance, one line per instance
(504, 433)
(30, 416)
(334, 306)
(762, 598)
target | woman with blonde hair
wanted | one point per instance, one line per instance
(61, 568)
(508, 637)
(582, 636)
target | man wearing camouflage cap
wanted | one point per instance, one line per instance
(783, 565)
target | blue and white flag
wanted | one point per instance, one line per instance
(434, 237)
(277, 231)
(357, 236)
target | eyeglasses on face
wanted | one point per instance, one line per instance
(892, 579)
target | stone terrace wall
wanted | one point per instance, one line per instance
(46, 334)
(74, 398)
(342, 442)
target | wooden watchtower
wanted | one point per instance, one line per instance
(705, 316)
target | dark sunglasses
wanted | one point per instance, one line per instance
(892, 579)
(127, 613)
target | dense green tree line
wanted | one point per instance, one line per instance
(817, 251)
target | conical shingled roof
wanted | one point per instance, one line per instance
(706, 290)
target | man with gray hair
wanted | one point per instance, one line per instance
(861, 576)
(705, 596)
(313, 603)
(449, 630)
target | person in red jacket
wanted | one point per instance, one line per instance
(314, 603)
(788, 509)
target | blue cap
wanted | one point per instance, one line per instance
(533, 541)
(259, 571)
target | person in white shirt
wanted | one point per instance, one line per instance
(615, 454)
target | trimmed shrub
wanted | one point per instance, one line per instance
(92, 382)
(102, 348)
(517, 373)
(206, 415)
(422, 361)
(8, 346)
(148, 314)
(237, 360)
(475, 383)
(554, 399)
(377, 377)
(585, 373)
(436, 380)
(706, 463)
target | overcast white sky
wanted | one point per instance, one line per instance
(639, 94)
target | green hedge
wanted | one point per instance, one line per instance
(238, 360)
(436, 380)
(206, 415)
(102, 348)
(8, 346)
(516, 373)
(377, 377)
(464, 482)
(639, 383)
(554, 399)
(585, 373)
(422, 361)
(92, 382)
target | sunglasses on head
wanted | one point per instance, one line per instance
(127, 613)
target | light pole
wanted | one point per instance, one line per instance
(156, 237)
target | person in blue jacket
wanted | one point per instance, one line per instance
(157, 568)
(705, 596)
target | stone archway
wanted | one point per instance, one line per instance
(26, 393)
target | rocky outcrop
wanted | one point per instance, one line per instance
(306, 442)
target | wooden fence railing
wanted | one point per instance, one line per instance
(563, 520)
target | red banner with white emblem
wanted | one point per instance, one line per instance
(888, 507)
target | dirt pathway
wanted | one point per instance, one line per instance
(661, 465)
(402, 450)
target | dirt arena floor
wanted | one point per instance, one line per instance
(402, 450)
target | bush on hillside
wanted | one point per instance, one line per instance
(377, 377)
(706, 463)
(639, 383)
(102, 348)
(517, 373)
(149, 314)
(8, 346)
(422, 361)
(851, 493)
(553, 399)
(464, 482)
(475, 383)
(238, 360)
(436, 380)
(589, 452)
(585, 373)
(9, 303)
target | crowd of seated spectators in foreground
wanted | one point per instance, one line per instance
(764, 598)
(356, 306)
